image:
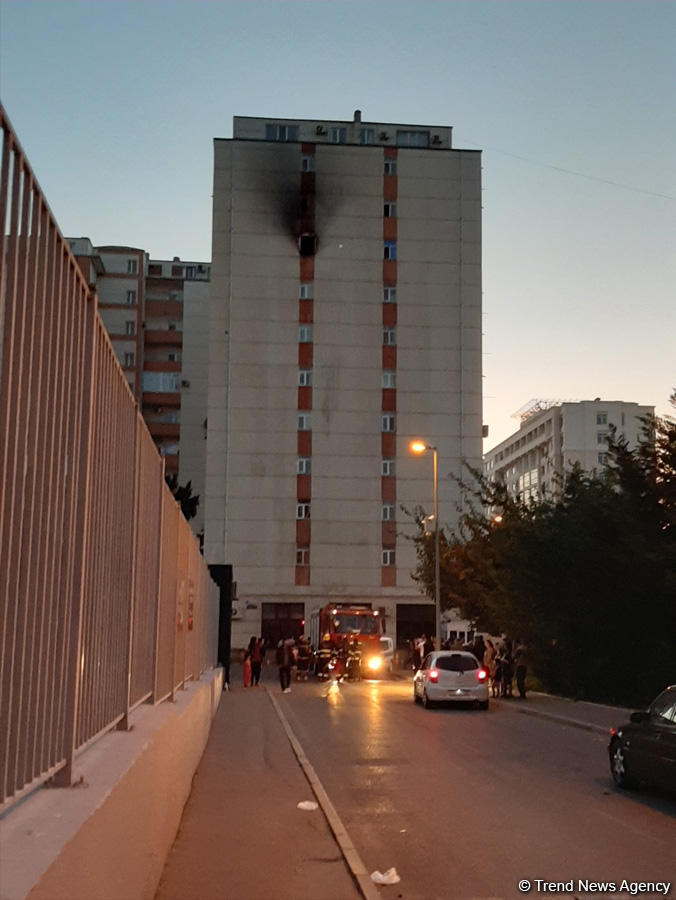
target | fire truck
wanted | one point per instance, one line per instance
(346, 627)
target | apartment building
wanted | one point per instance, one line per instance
(345, 321)
(155, 312)
(554, 435)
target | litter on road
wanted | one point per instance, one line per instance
(307, 805)
(389, 877)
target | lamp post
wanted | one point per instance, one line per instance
(421, 447)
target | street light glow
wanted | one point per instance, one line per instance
(418, 447)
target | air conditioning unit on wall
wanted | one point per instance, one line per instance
(236, 613)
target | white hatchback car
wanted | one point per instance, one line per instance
(451, 676)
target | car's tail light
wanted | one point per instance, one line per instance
(481, 674)
(612, 732)
(433, 675)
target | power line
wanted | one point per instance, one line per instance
(544, 165)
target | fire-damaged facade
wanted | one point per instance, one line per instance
(345, 321)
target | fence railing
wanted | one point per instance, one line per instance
(105, 600)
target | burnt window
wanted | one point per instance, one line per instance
(307, 244)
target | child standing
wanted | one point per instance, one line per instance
(246, 669)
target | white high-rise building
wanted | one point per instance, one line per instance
(556, 434)
(345, 321)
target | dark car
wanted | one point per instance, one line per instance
(644, 750)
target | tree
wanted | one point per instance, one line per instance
(183, 496)
(586, 578)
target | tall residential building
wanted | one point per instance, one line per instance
(155, 313)
(554, 435)
(345, 321)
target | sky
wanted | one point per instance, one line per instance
(116, 104)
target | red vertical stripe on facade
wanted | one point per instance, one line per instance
(305, 311)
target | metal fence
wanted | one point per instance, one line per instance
(105, 600)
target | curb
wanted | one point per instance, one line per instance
(343, 839)
(562, 720)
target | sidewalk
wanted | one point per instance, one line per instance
(242, 836)
(575, 713)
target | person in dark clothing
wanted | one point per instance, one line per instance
(507, 670)
(284, 663)
(255, 656)
(520, 668)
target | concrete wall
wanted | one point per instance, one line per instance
(108, 837)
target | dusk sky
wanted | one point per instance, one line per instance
(116, 105)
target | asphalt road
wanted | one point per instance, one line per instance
(466, 804)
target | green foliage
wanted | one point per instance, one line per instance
(586, 578)
(183, 496)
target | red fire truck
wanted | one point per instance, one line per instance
(343, 627)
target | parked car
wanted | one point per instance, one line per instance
(644, 749)
(451, 676)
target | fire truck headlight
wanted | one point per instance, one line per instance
(374, 663)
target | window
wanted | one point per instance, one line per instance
(189, 272)
(389, 378)
(304, 377)
(390, 250)
(338, 135)
(457, 663)
(305, 291)
(387, 512)
(302, 510)
(130, 327)
(601, 418)
(304, 422)
(131, 298)
(366, 135)
(172, 357)
(388, 423)
(303, 465)
(389, 337)
(390, 210)
(307, 163)
(281, 132)
(413, 139)
(305, 334)
(389, 295)
(390, 167)
(602, 458)
(132, 266)
(302, 556)
(387, 467)
(601, 437)
(388, 557)
(129, 359)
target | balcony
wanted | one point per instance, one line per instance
(167, 338)
(159, 398)
(164, 429)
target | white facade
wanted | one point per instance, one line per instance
(551, 439)
(414, 356)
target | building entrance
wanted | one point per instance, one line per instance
(281, 621)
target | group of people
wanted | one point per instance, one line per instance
(290, 654)
(252, 664)
(504, 660)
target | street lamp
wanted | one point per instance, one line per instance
(421, 447)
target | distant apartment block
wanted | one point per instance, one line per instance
(156, 316)
(556, 434)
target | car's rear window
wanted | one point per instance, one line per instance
(457, 663)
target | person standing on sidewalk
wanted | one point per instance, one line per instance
(284, 663)
(520, 668)
(255, 651)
